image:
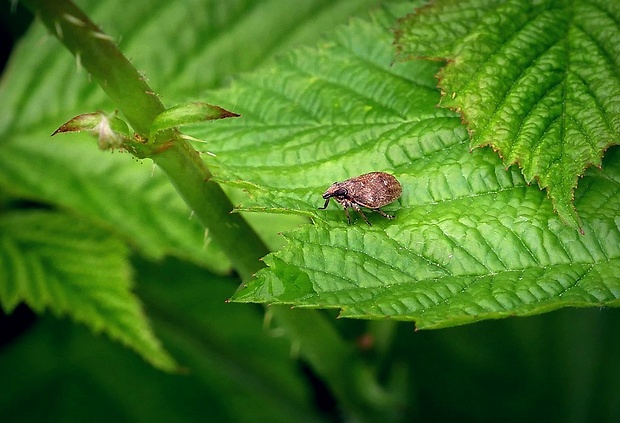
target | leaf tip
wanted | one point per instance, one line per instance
(228, 114)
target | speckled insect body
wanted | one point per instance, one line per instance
(370, 190)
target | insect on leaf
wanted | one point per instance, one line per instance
(471, 239)
(371, 190)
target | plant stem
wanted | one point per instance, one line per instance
(131, 94)
(231, 232)
(337, 363)
(100, 56)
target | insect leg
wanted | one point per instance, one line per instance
(382, 213)
(356, 207)
(348, 215)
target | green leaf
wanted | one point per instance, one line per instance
(130, 198)
(471, 239)
(55, 262)
(227, 355)
(537, 81)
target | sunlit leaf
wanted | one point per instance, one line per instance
(471, 239)
(537, 81)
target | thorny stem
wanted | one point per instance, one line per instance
(331, 357)
(100, 56)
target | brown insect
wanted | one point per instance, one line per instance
(370, 190)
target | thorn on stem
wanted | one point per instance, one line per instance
(74, 20)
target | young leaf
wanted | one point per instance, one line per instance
(471, 240)
(111, 131)
(187, 114)
(56, 262)
(537, 81)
